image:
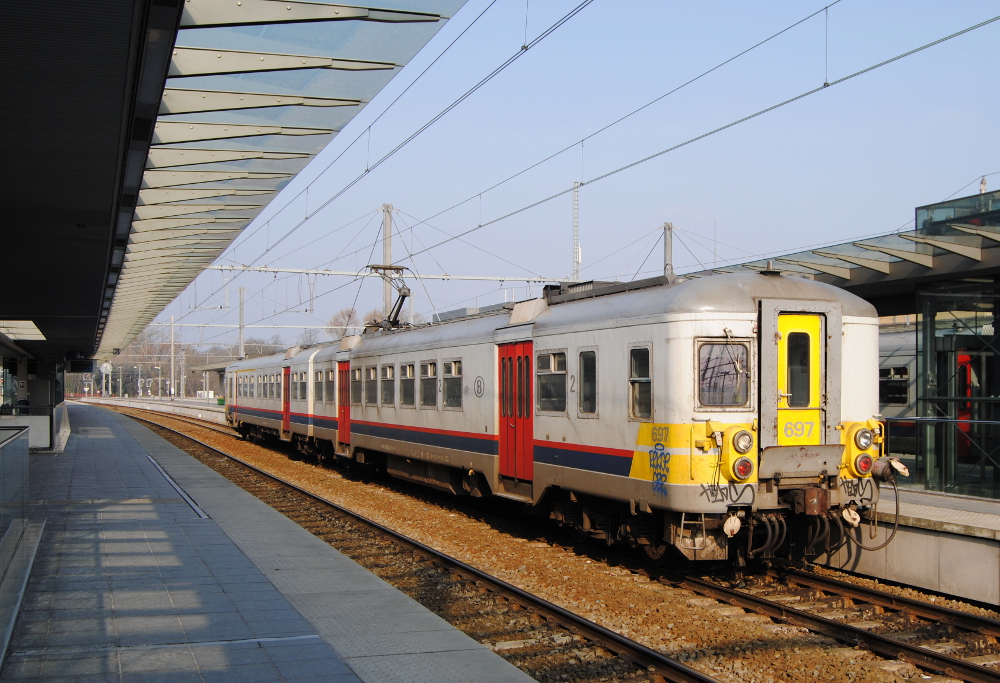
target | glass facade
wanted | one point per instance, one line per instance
(952, 436)
(947, 427)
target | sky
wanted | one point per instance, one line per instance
(849, 161)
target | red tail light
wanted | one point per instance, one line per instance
(863, 463)
(743, 468)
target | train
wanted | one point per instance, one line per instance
(721, 418)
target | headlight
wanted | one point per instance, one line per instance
(863, 439)
(863, 463)
(743, 468)
(743, 441)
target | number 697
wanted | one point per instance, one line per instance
(799, 428)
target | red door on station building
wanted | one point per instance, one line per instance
(344, 401)
(286, 404)
(516, 411)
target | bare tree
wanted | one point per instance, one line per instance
(374, 315)
(308, 337)
(343, 323)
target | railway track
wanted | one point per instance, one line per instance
(772, 595)
(860, 635)
(663, 667)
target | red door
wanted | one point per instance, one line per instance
(344, 401)
(516, 411)
(286, 404)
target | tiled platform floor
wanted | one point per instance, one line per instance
(131, 584)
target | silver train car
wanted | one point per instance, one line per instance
(726, 417)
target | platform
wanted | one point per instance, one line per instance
(201, 408)
(944, 543)
(133, 581)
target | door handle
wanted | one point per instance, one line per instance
(511, 425)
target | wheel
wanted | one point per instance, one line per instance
(655, 553)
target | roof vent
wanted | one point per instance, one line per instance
(769, 269)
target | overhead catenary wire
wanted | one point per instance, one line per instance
(552, 28)
(627, 116)
(714, 131)
(648, 255)
(523, 50)
(465, 242)
(437, 117)
(384, 111)
(707, 134)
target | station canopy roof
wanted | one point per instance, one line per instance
(953, 240)
(151, 132)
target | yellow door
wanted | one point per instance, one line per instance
(800, 370)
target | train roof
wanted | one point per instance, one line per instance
(600, 307)
(730, 293)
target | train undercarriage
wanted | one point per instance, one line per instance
(803, 525)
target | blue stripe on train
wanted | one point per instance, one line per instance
(583, 460)
(315, 420)
(460, 443)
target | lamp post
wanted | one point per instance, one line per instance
(159, 383)
(140, 379)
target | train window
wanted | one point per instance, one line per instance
(318, 387)
(893, 386)
(588, 382)
(428, 385)
(407, 395)
(503, 387)
(723, 373)
(640, 384)
(356, 386)
(271, 384)
(551, 381)
(371, 386)
(452, 378)
(520, 387)
(388, 383)
(331, 384)
(798, 370)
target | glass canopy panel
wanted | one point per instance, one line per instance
(193, 203)
(352, 85)
(395, 43)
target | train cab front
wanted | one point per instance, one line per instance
(810, 495)
(818, 449)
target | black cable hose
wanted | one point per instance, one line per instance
(840, 529)
(824, 534)
(895, 524)
(767, 543)
(782, 533)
